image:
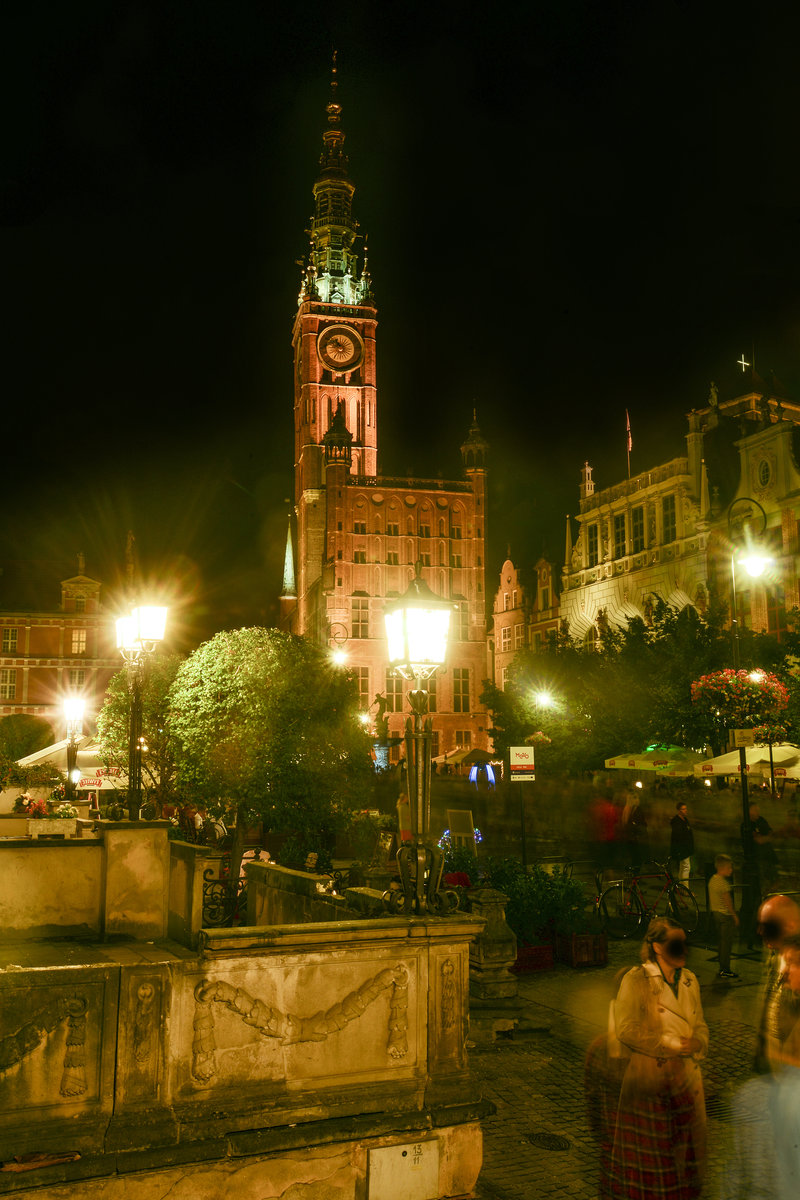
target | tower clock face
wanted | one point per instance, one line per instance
(340, 348)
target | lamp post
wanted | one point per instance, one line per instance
(742, 514)
(417, 626)
(73, 715)
(137, 637)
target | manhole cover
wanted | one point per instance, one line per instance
(549, 1141)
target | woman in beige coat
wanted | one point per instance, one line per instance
(659, 1141)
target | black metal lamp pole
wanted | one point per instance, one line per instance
(417, 626)
(137, 637)
(751, 889)
(135, 667)
(73, 712)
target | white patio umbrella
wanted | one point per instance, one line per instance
(785, 756)
(622, 762)
(667, 760)
(94, 775)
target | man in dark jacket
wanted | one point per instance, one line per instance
(681, 846)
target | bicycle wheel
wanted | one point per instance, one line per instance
(684, 907)
(621, 912)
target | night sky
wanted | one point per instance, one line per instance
(572, 209)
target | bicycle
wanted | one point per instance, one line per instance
(623, 908)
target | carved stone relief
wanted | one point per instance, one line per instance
(290, 1028)
(16, 1046)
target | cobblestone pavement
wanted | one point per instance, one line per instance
(539, 1144)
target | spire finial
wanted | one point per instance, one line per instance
(289, 587)
(334, 108)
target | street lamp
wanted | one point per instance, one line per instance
(137, 637)
(417, 626)
(73, 715)
(742, 515)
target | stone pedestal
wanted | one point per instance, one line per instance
(494, 1005)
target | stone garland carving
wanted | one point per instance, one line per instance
(73, 1080)
(144, 1022)
(289, 1028)
(448, 983)
(17, 1046)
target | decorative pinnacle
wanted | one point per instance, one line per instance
(334, 108)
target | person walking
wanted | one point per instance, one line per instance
(720, 902)
(778, 920)
(681, 845)
(659, 1140)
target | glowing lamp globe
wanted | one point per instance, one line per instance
(755, 564)
(143, 628)
(73, 710)
(417, 628)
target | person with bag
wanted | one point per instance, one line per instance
(660, 1135)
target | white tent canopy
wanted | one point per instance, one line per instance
(785, 757)
(674, 761)
(95, 776)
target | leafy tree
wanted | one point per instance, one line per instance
(265, 729)
(22, 734)
(113, 724)
(632, 690)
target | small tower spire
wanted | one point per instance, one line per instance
(289, 591)
(568, 544)
(475, 446)
(331, 274)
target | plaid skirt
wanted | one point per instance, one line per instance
(658, 1151)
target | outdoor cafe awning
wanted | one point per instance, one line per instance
(675, 761)
(785, 757)
(95, 776)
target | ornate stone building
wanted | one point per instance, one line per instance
(678, 531)
(359, 535)
(49, 651)
(643, 538)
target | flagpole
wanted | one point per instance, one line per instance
(629, 440)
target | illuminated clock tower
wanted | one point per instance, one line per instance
(362, 537)
(334, 355)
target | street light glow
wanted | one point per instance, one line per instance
(338, 656)
(73, 709)
(417, 626)
(755, 564)
(543, 698)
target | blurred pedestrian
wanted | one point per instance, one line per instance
(633, 830)
(604, 818)
(720, 902)
(760, 830)
(659, 1140)
(778, 921)
(762, 1157)
(603, 1072)
(786, 1094)
(681, 844)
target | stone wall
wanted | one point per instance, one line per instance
(51, 889)
(308, 1059)
(279, 896)
(114, 884)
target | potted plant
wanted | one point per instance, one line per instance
(44, 819)
(529, 911)
(579, 940)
